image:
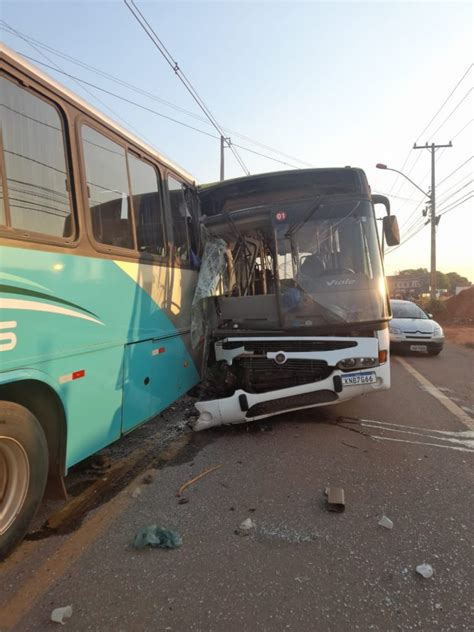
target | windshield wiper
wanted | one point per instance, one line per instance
(299, 225)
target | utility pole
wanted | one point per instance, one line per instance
(222, 158)
(432, 148)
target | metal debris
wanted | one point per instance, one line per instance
(336, 501)
(60, 614)
(385, 522)
(197, 478)
(425, 570)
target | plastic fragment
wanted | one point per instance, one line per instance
(425, 570)
(246, 527)
(60, 614)
(157, 537)
(385, 522)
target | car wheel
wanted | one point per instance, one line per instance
(23, 472)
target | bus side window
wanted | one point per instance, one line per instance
(34, 164)
(107, 183)
(147, 206)
(181, 217)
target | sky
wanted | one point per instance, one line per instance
(328, 83)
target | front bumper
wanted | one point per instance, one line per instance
(402, 343)
(243, 406)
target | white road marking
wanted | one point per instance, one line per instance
(469, 434)
(436, 445)
(458, 437)
(453, 408)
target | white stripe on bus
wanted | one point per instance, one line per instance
(34, 306)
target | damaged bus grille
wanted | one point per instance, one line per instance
(261, 374)
(286, 403)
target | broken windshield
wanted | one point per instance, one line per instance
(329, 265)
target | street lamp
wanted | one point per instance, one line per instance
(431, 198)
(380, 165)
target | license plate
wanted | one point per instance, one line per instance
(418, 348)
(355, 379)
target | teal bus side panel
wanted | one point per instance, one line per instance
(93, 402)
(70, 313)
(156, 373)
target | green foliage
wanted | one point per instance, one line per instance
(435, 306)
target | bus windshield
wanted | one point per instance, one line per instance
(329, 264)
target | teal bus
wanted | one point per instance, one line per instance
(99, 252)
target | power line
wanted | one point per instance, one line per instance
(152, 111)
(138, 15)
(465, 198)
(389, 252)
(445, 101)
(462, 129)
(456, 192)
(467, 175)
(469, 68)
(58, 69)
(452, 112)
(455, 170)
(143, 92)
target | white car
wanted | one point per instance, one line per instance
(412, 329)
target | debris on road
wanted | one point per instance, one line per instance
(157, 537)
(246, 527)
(60, 614)
(183, 501)
(425, 570)
(137, 492)
(336, 501)
(197, 478)
(148, 479)
(385, 522)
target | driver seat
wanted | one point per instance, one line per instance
(312, 266)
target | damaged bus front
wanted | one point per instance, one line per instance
(291, 306)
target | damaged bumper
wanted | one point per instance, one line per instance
(330, 384)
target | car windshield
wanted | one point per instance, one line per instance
(329, 264)
(407, 310)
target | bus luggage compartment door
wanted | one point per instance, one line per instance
(137, 384)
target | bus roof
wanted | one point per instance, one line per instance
(307, 182)
(19, 62)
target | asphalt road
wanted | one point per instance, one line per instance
(407, 454)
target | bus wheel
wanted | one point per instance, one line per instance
(23, 472)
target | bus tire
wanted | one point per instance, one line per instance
(23, 472)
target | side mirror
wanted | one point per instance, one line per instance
(391, 230)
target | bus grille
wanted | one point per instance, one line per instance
(263, 374)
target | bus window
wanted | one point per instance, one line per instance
(36, 175)
(107, 182)
(181, 218)
(147, 206)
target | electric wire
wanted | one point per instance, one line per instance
(152, 111)
(438, 111)
(140, 18)
(143, 92)
(58, 69)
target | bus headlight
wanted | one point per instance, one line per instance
(349, 364)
